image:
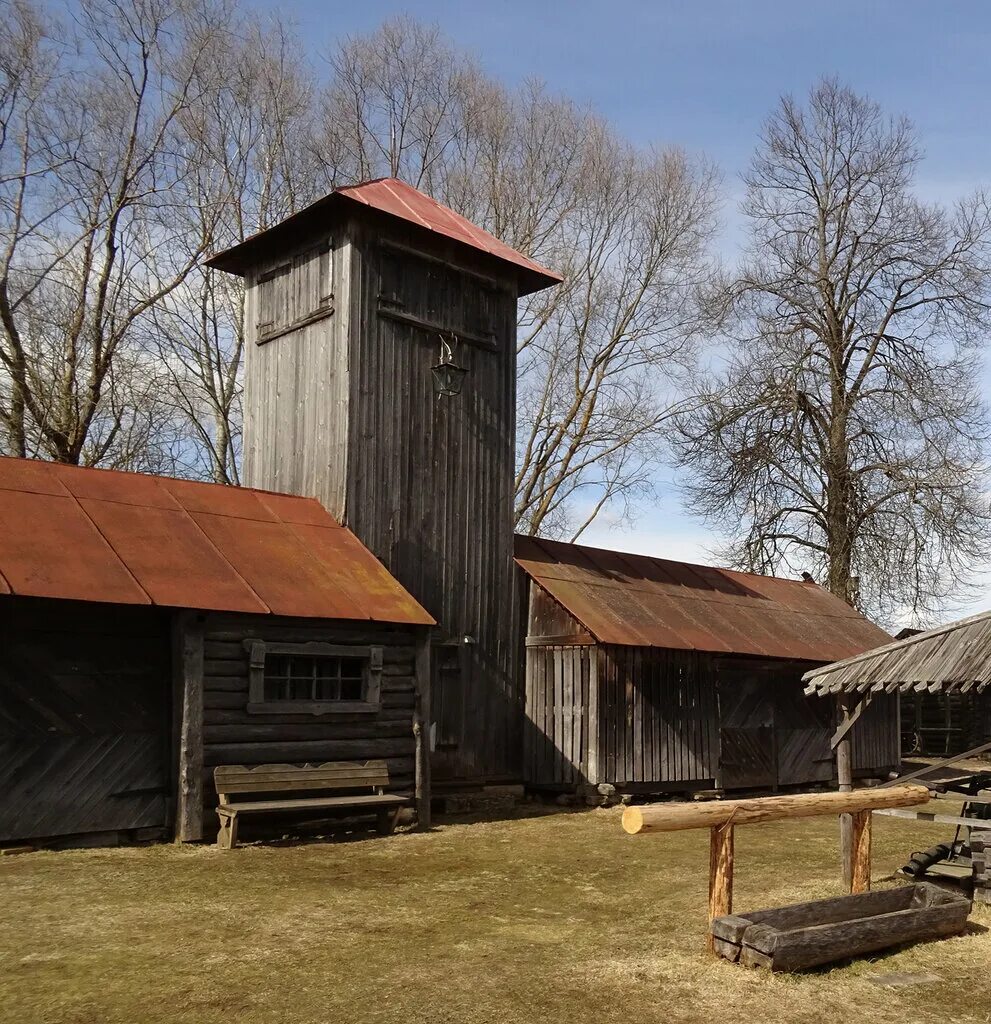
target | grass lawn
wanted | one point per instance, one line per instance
(551, 917)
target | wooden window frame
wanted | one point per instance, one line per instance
(268, 330)
(371, 656)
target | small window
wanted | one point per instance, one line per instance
(312, 678)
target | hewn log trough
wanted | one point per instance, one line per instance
(805, 935)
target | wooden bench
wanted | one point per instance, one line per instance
(345, 780)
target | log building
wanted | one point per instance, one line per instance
(153, 628)
(653, 675)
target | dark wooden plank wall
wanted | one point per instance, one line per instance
(85, 718)
(657, 716)
(231, 735)
(876, 738)
(429, 480)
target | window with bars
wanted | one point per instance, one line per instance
(312, 678)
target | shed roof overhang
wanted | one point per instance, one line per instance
(955, 658)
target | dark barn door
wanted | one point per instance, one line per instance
(746, 732)
(84, 718)
(770, 733)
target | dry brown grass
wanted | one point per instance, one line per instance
(551, 918)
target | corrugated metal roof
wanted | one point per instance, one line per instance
(955, 657)
(396, 198)
(126, 538)
(640, 601)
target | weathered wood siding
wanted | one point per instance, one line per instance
(342, 408)
(429, 479)
(558, 746)
(622, 715)
(296, 383)
(232, 735)
(657, 716)
(636, 717)
(876, 738)
(85, 718)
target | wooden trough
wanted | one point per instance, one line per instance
(807, 935)
(804, 935)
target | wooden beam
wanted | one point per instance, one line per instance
(188, 675)
(945, 763)
(671, 817)
(421, 729)
(860, 866)
(849, 721)
(940, 819)
(720, 875)
(844, 779)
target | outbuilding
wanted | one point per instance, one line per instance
(153, 628)
(654, 675)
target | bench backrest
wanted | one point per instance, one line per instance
(288, 778)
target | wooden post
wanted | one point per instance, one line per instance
(844, 779)
(421, 729)
(720, 875)
(860, 866)
(187, 672)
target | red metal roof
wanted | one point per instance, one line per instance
(126, 538)
(639, 601)
(396, 198)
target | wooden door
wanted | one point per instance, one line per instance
(746, 731)
(448, 664)
(802, 729)
(85, 714)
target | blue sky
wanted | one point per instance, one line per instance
(704, 75)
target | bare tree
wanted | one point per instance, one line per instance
(599, 356)
(846, 434)
(95, 172)
(251, 132)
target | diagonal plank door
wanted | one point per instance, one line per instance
(84, 719)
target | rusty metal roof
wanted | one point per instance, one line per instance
(396, 198)
(126, 538)
(955, 657)
(640, 601)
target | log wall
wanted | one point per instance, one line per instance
(233, 735)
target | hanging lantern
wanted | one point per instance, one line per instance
(448, 376)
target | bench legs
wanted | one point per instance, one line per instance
(227, 836)
(387, 821)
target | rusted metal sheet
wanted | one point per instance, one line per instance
(49, 547)
(397, 199)
(401, 200)
(639, 601)
(171, 558)
(126, 538)
(955, 657)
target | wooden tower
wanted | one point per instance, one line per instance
(355, 309)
